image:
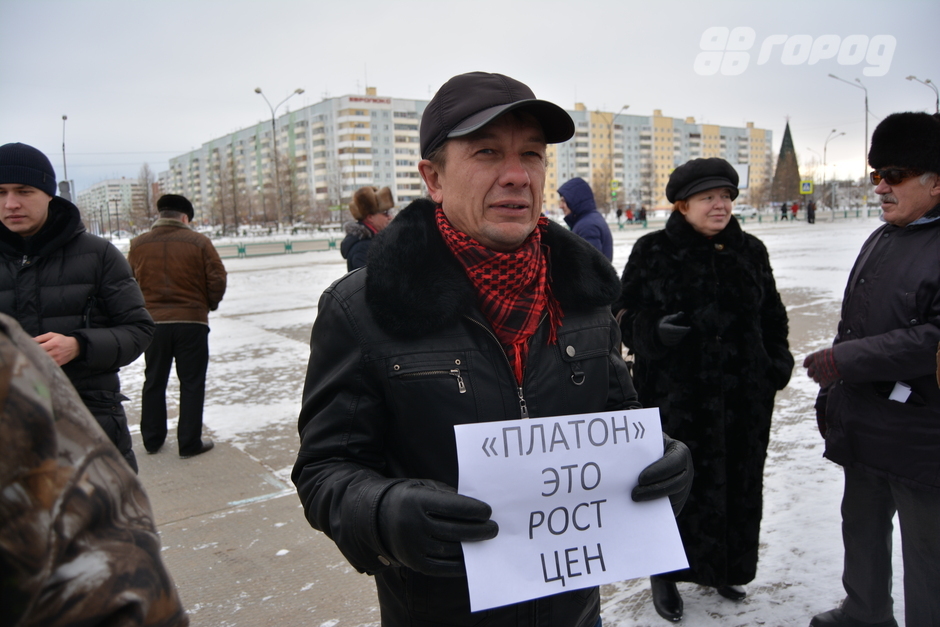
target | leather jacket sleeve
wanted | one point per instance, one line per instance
(338, 473)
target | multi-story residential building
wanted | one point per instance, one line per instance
(328, 150)
(638, 153)
(114, 205)
(324, 152)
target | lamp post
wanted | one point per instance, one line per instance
(815, 163)
(931, 85)
(64, 185)
(832, 194)
(862, 87)
(110, 232)
(610, 142)
(277, 182)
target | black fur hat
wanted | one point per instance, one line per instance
(698, 175)
(907, 140)
(175, 202)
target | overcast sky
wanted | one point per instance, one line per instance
(146, 80)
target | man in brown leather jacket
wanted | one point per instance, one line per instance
(183, 279)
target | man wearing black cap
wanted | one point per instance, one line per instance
(183, 279)
(879, 404)
(473, 308)
(71, 290)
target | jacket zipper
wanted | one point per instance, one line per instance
(453, 373)
(523, 408)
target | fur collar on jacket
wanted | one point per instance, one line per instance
(681, 233)
(170, 222)
(358, 229)
(64, 223)
(415, 285)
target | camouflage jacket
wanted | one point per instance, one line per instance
(77, 538)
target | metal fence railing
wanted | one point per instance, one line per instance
(258, 249)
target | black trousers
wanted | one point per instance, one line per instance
(107, 409)
(188, 344)
(869, 505)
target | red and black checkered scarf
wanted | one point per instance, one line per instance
(513, 288)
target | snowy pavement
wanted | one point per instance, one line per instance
(259, 351)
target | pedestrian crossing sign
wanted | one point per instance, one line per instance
(806, 187)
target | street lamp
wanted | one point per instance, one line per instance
(929, 84)
(277, 182)
(64, 185)
(832, 194)
(815, 163)
(860, 86)
(610, 142)
(110, 232)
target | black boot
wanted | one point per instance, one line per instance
(666, 599)
(735, 593)
(838, 618)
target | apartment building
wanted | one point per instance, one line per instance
(113, 205)
(322, 154)
(325, 151)
(638, 153)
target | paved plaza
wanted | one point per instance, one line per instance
(233, 530)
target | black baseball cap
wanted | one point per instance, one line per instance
(469, 102)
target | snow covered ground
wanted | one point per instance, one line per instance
(259, 353)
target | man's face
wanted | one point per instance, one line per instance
(23, 209)
(492, 181)
(909, 200)
(564, 205)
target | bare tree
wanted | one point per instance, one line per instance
(143, 208)
(600, 186)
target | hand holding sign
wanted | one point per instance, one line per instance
(559, 488)
(423, 522)
(671, 476)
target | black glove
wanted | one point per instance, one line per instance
(673, 328)
(671, 476)
(423, 522)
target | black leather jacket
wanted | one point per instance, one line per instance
(399, 355)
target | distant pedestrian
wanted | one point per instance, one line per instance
(581, 214)
(878, 406)
(630, 215)
(642, 215)
(620, 215)
(71, 290)
(783, 210)
(811, 212)
(183, 279)
(371, 209)
(795, 208)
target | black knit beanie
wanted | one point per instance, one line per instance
(24, 165)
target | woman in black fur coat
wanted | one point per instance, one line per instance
(701, 313)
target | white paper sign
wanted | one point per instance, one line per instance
(560, 492)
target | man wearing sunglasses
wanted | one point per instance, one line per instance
(879, 404)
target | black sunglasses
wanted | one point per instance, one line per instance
(892, 176)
